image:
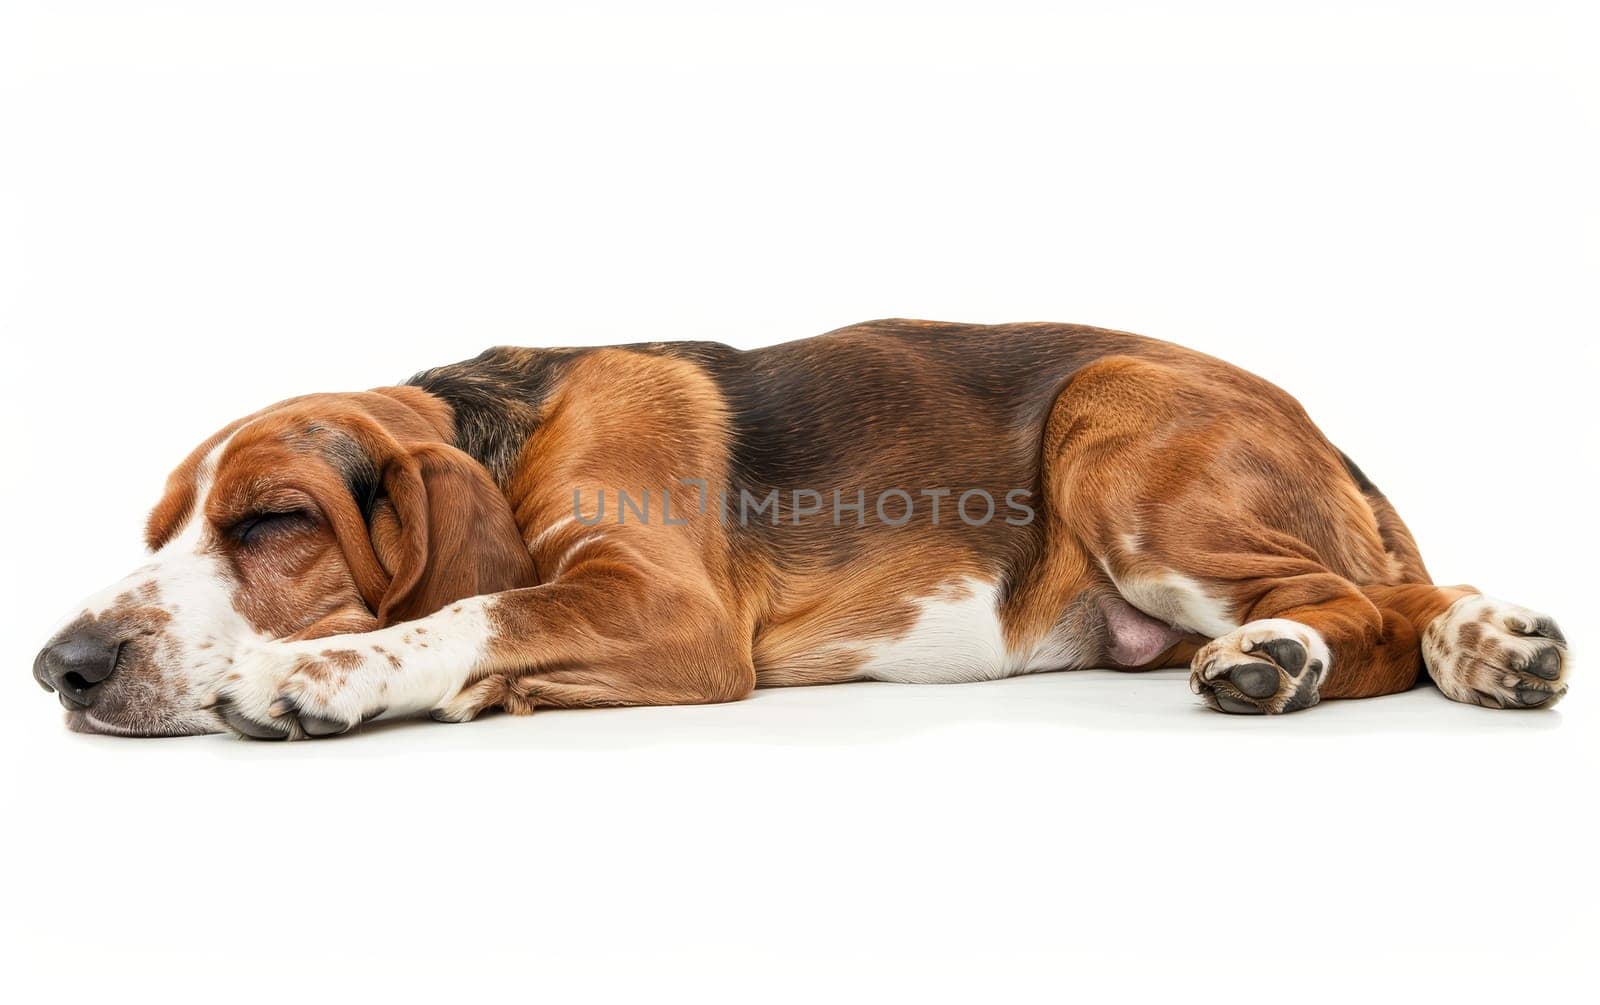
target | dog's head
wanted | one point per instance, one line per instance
(321, 515)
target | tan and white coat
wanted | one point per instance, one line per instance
(455, 544)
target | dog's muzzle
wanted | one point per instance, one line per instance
(76, 663)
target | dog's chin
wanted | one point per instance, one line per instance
(80, 721)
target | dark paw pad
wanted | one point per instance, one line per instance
(1489, 652)
(313, 725)
(1258, 680)
(246, 726)
(1260, 668)
(1545, 663)
(1286, 653)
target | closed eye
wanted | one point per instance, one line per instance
(259, 526)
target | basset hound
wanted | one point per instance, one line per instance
(682, 522)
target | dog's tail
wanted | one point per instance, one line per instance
(1397, 539)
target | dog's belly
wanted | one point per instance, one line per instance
(958, 637)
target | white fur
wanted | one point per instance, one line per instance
(545, 535)
(1178, 600)
(437, 656)
(958, 638)
(1483, 675)
(194, 587)
(189, 649)
(572, 552)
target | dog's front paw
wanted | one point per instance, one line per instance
(294, 690)
(1484, 651)
(1268, 666)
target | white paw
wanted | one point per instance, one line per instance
(294, 690)
(1268, 666)
(1489, 652)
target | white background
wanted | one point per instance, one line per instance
(1390, 209)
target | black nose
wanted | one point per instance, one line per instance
(75, 663)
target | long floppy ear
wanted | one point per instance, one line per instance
(443, 531)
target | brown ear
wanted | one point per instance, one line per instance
(443, 532)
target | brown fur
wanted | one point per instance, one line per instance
(1140, 460)
(1167, 444)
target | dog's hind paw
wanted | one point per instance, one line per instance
(1484, 651)
(1268, 666)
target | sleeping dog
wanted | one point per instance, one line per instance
(681, 522)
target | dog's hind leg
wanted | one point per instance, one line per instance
(1477, 649)
(1211, 502)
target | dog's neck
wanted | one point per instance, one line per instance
(496, 400)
